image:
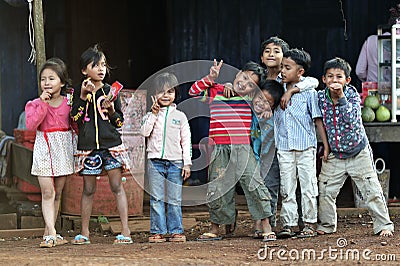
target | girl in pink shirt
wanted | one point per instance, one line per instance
(53, 149)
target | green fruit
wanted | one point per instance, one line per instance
(371, 101)
(382, 114)
(367, 114)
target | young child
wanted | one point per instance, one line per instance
(232, 159)
(296, 141)
(53, 149)
(99, 143)
(169, 159)
(350, 154)
(271, 56)
(262, 141)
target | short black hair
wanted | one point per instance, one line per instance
(301, 57)
(275, 89)
(338, 63)
(257, 69)
(277, 41)
(93, 55)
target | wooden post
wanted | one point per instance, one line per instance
(39, 38)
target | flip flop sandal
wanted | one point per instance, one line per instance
(258, 234)
(156, 238)
(48, 242)
(209, 237)
(307, 232)
(61, 240)
(267, 237)
(286, 233)
(177, 238)
(80, 240)
(122, 240)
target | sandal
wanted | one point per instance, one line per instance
(286, 232)
(48, 242)
(156, 238)
(258, 234)
(230, 228)
(177, 238)
(209, 237)
(121, 240)
(61, 240)
(307, 231)
(80, 240)
(269, 237)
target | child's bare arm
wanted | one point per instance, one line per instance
(324, 138)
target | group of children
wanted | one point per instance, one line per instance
(262, 128)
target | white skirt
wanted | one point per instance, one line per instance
(54, 157)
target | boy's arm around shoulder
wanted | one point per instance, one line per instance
(305, 84)
(35, 112)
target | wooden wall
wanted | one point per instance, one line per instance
(140, 39)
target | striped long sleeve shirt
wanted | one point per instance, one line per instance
(230, 118)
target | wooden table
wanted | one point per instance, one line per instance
(383, 131)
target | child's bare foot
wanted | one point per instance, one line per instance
(386, 233)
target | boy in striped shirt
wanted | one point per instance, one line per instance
(296, 141)
(232, 159)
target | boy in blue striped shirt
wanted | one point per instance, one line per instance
(296, 142)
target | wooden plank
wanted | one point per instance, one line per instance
(39, 38)
(34, 232)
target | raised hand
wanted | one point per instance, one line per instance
(86, 88)
(214, 70)
(155, 108)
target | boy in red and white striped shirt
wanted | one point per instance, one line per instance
(232, 159)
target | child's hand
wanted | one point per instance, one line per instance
(228, 90)
(45, 96)
(285, 99)
(326, 153)
(107, 104)
(266, 114)
(86, 88)
(214, 70)
(155, 108)
(336, 90)
(186, 172)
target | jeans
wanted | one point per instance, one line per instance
(165, 183)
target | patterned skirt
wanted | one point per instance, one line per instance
(120, 153)
(53, 154)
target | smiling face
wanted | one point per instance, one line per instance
(272, 55)
(291, 72)
(263, 102)
(96, 72)
(245, 82)
(166, 96)
(50, 81)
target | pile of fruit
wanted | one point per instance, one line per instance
(373, 110)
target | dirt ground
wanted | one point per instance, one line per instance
(354, 237)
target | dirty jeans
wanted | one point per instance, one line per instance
(361, 169)
(230, 164)
(271, 178)
(165, 184)
(301, 165)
